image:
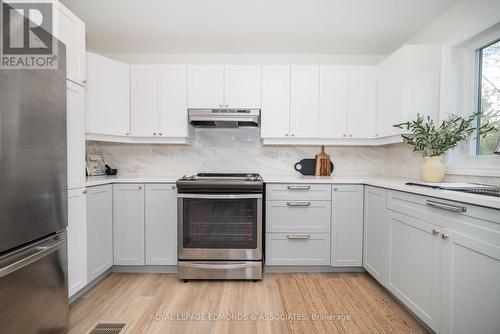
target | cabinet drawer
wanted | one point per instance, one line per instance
(298, 216)
(479, 222)
(297, 249)
(298, 191)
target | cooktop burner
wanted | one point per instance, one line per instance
(221, 183)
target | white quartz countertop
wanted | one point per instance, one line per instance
(376, 181)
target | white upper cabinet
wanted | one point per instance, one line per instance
(333, 98)
(219, 86)
(75, 123)
(172, 101)
(206, 86)
(144, 100)
(362, 112)
(70, 30)
(304, 101)
(242, 86)
(409, 84)
(108, 96)
(275, 112)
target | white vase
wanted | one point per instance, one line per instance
(433, 169)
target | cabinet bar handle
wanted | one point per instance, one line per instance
(445, 206)
(298, 236)
(299, 187)
(298, 203)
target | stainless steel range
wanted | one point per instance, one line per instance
(220, 226)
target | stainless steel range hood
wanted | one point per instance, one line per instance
(224, 118)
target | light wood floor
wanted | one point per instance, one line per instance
(137, 298)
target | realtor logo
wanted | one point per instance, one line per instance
(27, 41)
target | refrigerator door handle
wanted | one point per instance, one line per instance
(29, 255)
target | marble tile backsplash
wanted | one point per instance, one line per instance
(234, 150)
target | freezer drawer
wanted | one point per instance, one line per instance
(34, 288)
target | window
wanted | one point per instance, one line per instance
(489, 95)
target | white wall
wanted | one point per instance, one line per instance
(250, 59)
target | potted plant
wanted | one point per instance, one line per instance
(434, 139)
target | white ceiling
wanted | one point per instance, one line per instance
(253, 26)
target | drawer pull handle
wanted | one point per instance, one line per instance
(298, 204)
(299, 187)
(298, 236)
(445, 206)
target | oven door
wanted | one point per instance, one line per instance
(220, 227)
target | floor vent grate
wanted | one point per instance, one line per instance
(108, 328)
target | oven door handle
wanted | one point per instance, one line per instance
(220, 196)
(220, 266)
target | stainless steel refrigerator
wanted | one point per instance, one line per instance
(33, 200)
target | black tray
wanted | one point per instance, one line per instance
(308, 167)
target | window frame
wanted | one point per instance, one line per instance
(479, 92)
(463, 160)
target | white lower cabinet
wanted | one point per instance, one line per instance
(470, 285)
(347, 226)
(376, 233)
(77, 241)
(414, 266)
(297, 249)
(99, 230)
(161, 224)
(298, 219)
(128, 224)
(298, 216)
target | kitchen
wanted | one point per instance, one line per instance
(264, 167)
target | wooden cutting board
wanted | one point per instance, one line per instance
(322, 163)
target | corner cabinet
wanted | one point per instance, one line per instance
(77, 240)
(161, 224)
(128, 224)
(99, 230)
(347, 226)
(108, 96)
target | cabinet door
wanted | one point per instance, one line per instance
(470, 285)
(376, 234)
(206, 86)
(128, 224)
(362, 101)
(71, 31)
(242, 86)
(275, 112)
(99, 230)
(172, 101)
(415, 266)
(333, 97)
(77, 241)
(161, 224)
(75, 127)
(347, 226)
(108, 96)
(304, 101)
(144, 100)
